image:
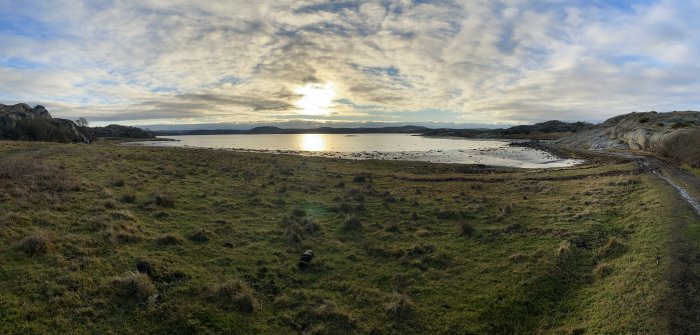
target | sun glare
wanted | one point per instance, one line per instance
(317, 99)
(312, 142)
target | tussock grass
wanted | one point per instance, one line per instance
(200, 235)
(235, 294)
(351, 223)
(400, 306)
(541, 266)
(35, 244)
(134, 285)
(169, 240)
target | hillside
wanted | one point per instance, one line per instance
(545, 130)
(674, 136)
(115, 130)
(277, 130)
(22, 122)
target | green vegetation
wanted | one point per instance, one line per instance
(111, 239)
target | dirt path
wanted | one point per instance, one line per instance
(683, 313)
(685, 183)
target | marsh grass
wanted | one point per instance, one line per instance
(415, 248)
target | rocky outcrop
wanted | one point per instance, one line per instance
(115, 130)
(24, 112)
(22, 122)
(636, 131)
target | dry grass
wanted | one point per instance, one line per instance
(35, 244)
(400, 306)
(135, 285)
(683, 148)
(235, 294)
(351, 223)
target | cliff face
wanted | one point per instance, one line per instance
(22, 122)
(636, 131)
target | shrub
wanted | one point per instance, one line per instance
(135, 285)
(683, 148)
(237, 295)
(35, 244)
(400, 306)
(679, 125)
(644, 120)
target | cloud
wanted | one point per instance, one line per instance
(466, 61)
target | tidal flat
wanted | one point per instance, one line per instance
(116, 239)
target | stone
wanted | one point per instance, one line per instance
(305, 259)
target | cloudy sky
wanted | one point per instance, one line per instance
(469, 62)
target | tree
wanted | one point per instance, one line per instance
(82, 122)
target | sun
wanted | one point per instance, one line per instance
(317, 99)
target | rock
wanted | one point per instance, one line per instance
(22, 122)
(305, 259)
(635, 131)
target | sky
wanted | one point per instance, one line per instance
(199, 62)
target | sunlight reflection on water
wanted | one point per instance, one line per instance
(406, 147)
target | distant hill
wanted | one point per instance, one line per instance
(277, 130)
(22, 122)
(674, 135)
(115, 130)
(545, 130)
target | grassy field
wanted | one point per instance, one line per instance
(110, 239)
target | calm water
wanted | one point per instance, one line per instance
(379, 146)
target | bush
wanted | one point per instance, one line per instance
(35, 244)
(683, 148)
(135, 285)
(237, 295)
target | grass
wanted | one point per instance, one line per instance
(399, 247)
